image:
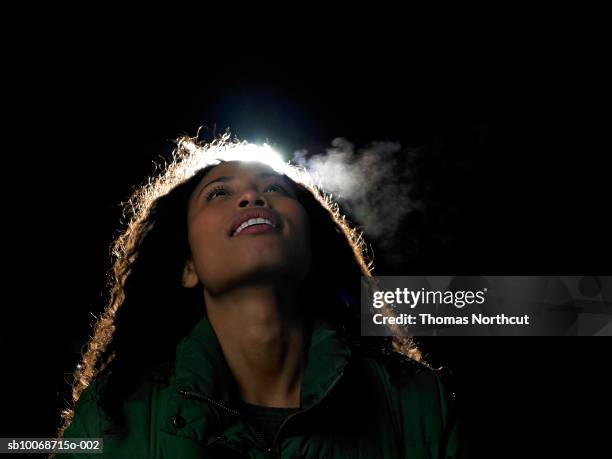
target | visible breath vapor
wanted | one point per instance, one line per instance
(373, 183)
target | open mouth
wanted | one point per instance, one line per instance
(255, 225)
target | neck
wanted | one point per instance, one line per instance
(263, 337)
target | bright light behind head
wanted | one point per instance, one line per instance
(254, 153)
(190, 157)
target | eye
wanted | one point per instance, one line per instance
(217, 191)
(276, 187)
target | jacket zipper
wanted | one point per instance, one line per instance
(272, 449)
(196, 395)
(191, 394)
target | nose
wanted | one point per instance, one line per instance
(253, 198)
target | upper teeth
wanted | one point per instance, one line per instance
(250, 222)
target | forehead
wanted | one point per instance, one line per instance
(237, 168)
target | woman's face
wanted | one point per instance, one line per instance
(225, 252)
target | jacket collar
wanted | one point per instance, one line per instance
(201, 367)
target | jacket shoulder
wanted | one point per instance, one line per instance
(85, 421)
(401, 373)
(86, 418)
(420, 403)
(140, 409)
(89, 418)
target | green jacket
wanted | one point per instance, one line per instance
(352, 406)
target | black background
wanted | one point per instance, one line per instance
(517, 169)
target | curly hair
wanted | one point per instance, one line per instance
(149, 311)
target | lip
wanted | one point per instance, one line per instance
(253, 213)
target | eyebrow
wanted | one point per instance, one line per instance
(230, 177)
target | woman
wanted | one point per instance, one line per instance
(233, 327)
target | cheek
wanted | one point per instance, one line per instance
(207, 250)
(202, 238)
